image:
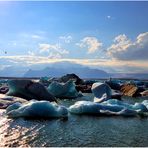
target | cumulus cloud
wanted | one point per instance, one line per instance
(31, 53)
(92, 44)
(124, 49)
(66, 39)
(54, 50)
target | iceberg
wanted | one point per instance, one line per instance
(145, 103)
(36, 109)
(101, 91)
(138, 107)
(109, 107)
(28, 90)
(61, 90)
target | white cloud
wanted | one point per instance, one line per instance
(54, 50)
(54, 55)
(124, 49)
(92, 44)
(31, 53)
(66, 39)
(35, 36)
(44, 47)
(109, 17)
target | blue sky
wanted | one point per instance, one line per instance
(84, 32)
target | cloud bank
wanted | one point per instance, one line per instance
(124, 49)
(53, 50)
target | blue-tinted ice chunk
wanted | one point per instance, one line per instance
(37, 109)
(61, 90)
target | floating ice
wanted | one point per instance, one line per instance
(13, 107)
(66, 90)
(101, 91)
(138, 107)
(109, 107)
(28, 90)
(36, 109)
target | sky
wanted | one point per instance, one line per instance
(109, 35)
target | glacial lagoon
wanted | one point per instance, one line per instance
(82, 130)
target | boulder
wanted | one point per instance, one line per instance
(28, 90)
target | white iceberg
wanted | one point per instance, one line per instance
(101, 91)
(63, 90)
(36, 109)
(109, 107)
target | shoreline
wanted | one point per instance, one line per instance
(36, 78)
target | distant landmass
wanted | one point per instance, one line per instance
(60, 69)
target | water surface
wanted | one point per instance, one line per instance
(75, 131)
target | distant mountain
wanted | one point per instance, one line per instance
(62, 68)
(13, 71)
(59, 69)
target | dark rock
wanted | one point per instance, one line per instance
(116, 96)
(73, 77)
(113, 85)
(84, 88)
(146, 84)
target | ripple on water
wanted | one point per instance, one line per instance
(76, 131)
